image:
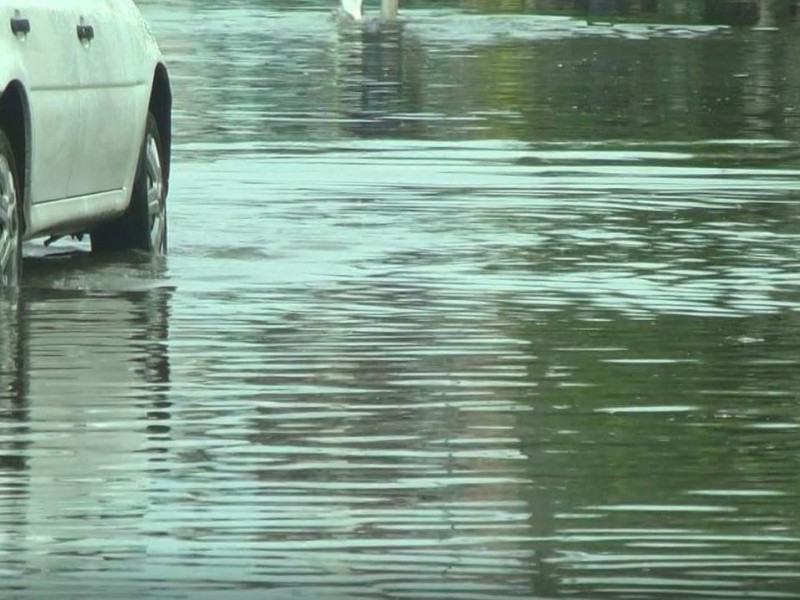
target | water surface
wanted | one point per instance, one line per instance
(464, 307)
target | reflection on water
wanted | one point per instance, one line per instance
(378, 80)
(458, 307)
(84, 408)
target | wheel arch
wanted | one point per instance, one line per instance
(15, 122)
(161, 108)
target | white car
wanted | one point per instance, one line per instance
(85, 127)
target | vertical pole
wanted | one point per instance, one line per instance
(389, 9)
(773, 12)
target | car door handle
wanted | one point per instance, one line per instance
(20, 25)
(85, 33)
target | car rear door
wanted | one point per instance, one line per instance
(43, 35)
(115, 87)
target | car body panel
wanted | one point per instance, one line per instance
(87, 100)
(50, 87)
(113, 83)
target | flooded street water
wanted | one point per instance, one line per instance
(467, 307)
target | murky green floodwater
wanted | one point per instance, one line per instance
(472, 307)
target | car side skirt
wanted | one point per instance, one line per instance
(75, 215)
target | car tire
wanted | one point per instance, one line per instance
(143, 226)
(10, 235)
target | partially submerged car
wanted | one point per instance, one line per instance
(85, 127)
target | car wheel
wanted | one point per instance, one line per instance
(143, 226)
(10, 238)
